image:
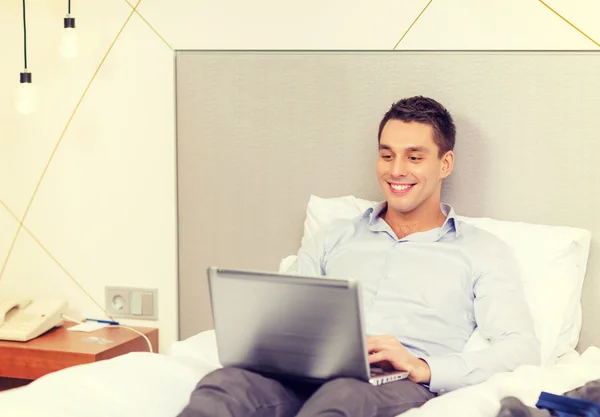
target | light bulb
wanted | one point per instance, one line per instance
(24, 95)
(68, 44)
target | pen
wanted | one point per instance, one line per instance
(104, 321)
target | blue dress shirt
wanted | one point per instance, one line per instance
(431, 290)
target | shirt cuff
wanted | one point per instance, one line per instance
(444, 370)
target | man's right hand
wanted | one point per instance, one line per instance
(387, 352)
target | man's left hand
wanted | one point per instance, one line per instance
(387, 352)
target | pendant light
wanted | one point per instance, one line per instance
(68, 44)
(24, 96)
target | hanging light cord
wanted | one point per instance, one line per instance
(25, 36)
(69, 7)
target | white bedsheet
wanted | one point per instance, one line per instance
(153, 385)
(526, 383)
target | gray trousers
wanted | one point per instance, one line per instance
(234, 392)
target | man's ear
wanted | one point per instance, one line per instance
(447, 164)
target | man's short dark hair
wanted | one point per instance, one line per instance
(428, 111)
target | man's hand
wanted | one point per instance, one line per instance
(388, 353)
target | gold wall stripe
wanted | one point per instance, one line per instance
(154, 30)
(148, 23)
(130, 3)
(2, 203)
(12, 244)
(570, 24)
(71, 277)
(412, 24)
(30, 233)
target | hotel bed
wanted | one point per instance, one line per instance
(274, 145)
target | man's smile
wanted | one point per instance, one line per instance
(400, 188)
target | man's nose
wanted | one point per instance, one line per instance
(399, 168)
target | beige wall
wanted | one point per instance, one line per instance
(104, 212)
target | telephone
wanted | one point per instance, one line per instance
(23, 319)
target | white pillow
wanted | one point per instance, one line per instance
(323, 211)
(553, 262)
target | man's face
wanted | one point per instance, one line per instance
(409, 169)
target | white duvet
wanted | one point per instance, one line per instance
(159, 385)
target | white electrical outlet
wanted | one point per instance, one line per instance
(133, 303)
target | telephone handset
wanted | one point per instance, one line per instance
(25, 319)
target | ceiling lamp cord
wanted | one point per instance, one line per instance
(24, 97)
(25, 75)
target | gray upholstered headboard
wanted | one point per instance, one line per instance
(259, 132)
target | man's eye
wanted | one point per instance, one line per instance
(414, 158)
(387, 157)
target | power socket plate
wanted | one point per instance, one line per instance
(131, 303)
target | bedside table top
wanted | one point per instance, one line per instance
(60, 348)
(61, 340)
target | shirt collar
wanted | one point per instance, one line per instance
(450, 224)
(374, 212)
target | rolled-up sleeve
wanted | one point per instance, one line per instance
(503, 317)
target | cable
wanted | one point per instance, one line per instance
(25, 36)
(138, 332)
(69, 7)
(150, 349)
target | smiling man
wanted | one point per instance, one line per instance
(427, 280)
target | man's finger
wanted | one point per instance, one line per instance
(381, 345)
(373, 343)
(378, 357)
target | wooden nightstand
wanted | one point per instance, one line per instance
(22, 362)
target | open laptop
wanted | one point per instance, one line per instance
(291, 326)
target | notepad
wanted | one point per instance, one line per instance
(88, 326)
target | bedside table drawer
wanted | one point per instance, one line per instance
(33, 363)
